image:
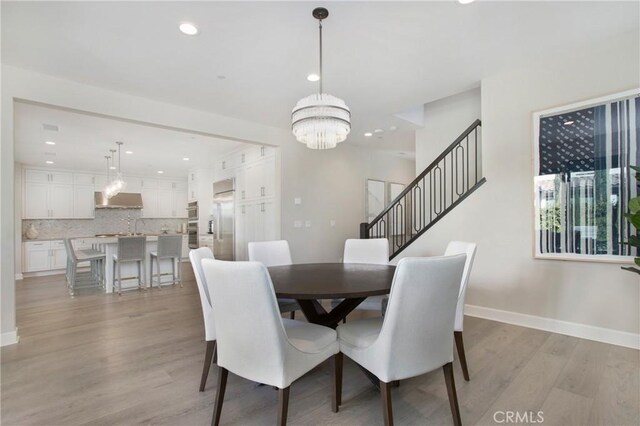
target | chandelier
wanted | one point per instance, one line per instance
(321, 120)
(118, 185)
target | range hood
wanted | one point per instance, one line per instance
(123, 200)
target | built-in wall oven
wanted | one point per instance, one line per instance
(192, 224)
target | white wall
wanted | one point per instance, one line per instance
(303, 170)
(332, 187)
(499, 216)
(444, 120)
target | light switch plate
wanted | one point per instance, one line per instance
(307, 224)
(297, 224)
(332, 223)
(297, 201)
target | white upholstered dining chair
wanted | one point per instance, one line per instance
(372, 251)
(254, 342)
(399, 346)
(461, 247)
(196, 256)
(274, 253)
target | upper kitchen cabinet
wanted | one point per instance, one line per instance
(48, 195)
(164, 199)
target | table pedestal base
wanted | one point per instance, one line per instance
(317, 314)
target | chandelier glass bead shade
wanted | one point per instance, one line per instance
(321, 121)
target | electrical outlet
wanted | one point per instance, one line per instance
(307, 224)
(297, 224)
(297, 201)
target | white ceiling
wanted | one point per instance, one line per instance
(380, 57)
(83, 140)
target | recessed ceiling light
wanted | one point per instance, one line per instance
(49, 162)
(378, 131)
(112, 167)
(188, 28)
(568, 123)
(50, 142)
(465, 1)
(185, 158)
(313, 77)
(160, 172)
(128, 152)
(368, 134)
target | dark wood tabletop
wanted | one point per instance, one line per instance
(311, 282)
(331, 280)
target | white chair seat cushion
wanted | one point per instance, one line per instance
(309, 338)
(359, 333)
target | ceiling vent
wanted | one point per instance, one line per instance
(50, 127)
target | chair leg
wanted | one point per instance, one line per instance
(283, 405)
(461, 356)
(179, 261)
(336, 401)
(158, 273)
(387, 410)
(222, 384)
(292, 315)
(451, 390)
(139, 263)
(211, 347)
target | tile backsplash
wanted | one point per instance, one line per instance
(106, 221)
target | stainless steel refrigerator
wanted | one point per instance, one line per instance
(224, 245)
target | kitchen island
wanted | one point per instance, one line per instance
(109, 246)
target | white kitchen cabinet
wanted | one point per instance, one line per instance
(205, 241)
(61, 201)
(58, 255)
(44, 256)
(36, 200)
(256, 181)
(149, 203)
(85, 179)
(37, 256)
(165, 199)
(48, 201)
(83, 202)
(180, 203)
(255, 221)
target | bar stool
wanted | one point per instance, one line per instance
(130, 249)
(90, 279)
(169, 247)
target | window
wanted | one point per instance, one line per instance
(583, 182)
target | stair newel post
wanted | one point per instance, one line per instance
(363, 231)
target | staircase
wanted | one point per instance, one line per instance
(444, 184)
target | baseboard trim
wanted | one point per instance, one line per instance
(583, 331)
(10, 338)
(19, 277)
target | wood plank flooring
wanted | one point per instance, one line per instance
(136, 359)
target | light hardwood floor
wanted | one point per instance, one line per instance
(102, 359)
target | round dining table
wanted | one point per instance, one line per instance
(309, 283)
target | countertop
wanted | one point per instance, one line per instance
(101, 237)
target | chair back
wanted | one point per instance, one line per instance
(249, 331)
(131, 249)
(270, 253)
(170, 246)
(196, 256)
(459, 247)
(71, 254)
(374, 251)
(417, 331)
